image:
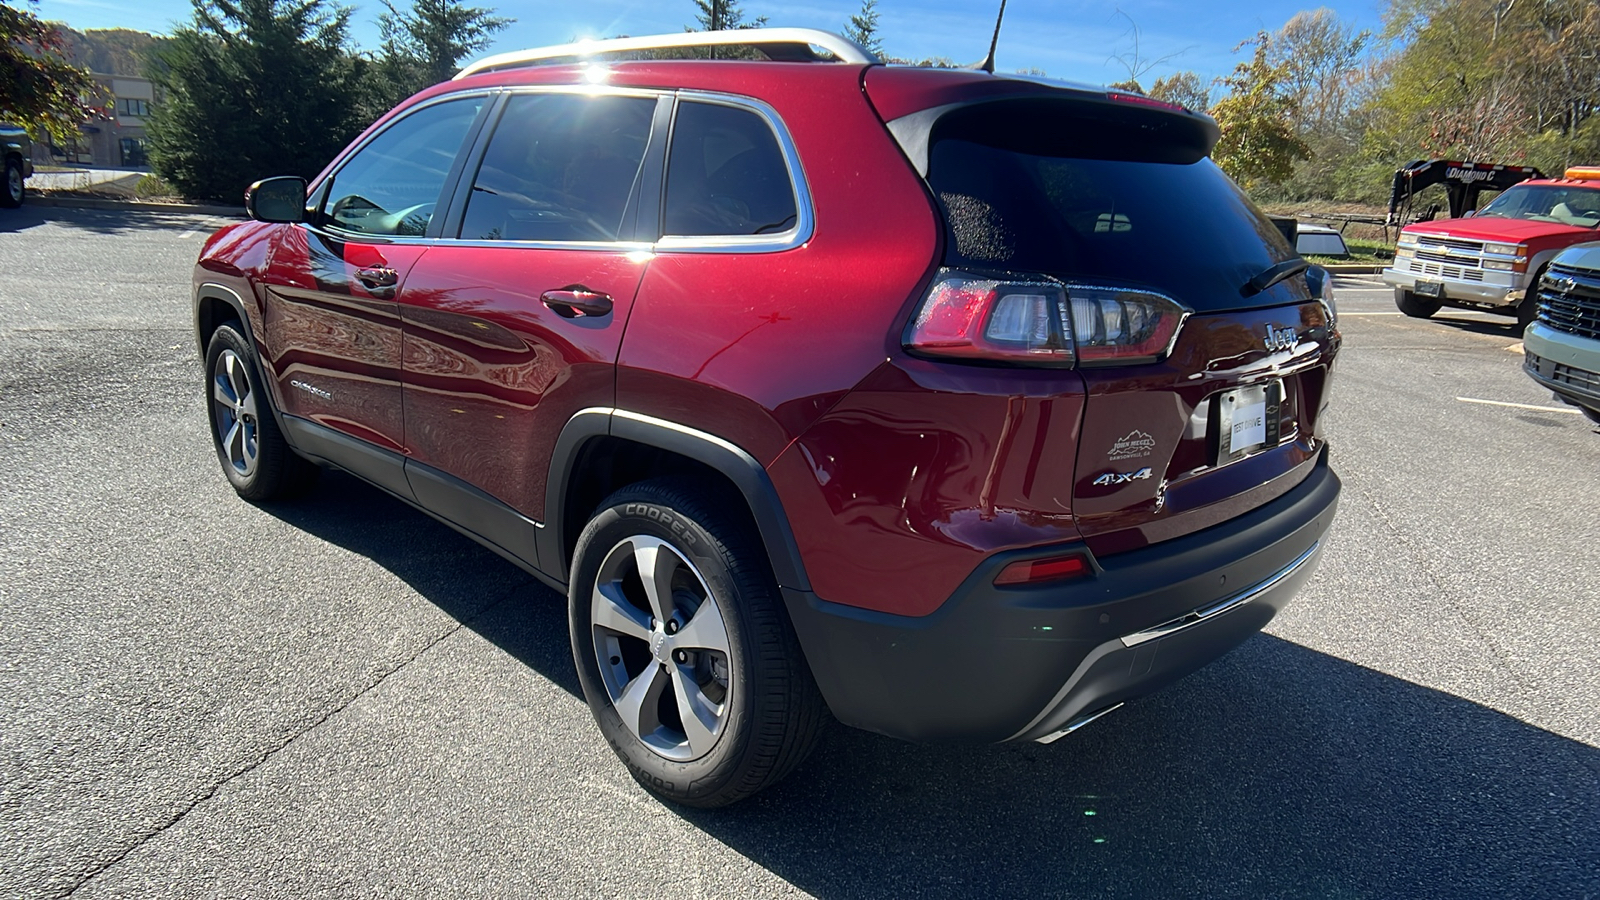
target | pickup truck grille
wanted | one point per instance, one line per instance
(1431, 242)
(1569, 300)
(1423, 266)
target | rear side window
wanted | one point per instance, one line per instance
(726, 174)
(391, 185)
(1181, 228)
(559, 167)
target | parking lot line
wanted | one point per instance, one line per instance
(1555, 409)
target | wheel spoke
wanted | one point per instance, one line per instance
(221, 391)
(247, 405)
(236, 377)
(618, 616)
(705, 631)
(655, 570)
(637, 703)
(248, 443)
(233, 441)
(699, 722)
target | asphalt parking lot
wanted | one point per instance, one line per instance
(340, 698)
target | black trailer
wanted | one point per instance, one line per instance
(1463, 181)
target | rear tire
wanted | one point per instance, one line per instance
(12, 189)
(1414, 306)
(683, 646)
(258, 462)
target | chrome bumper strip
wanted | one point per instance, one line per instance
(1190, 619)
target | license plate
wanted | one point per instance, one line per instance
(1428, 289)
(1248, 420)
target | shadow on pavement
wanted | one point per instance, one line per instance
(1278, 771)
(1505, 326)
(96, 221)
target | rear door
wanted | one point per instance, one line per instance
(331, 316)
(513, 322)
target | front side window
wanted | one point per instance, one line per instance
(559, 167)
(391, 186)
(726, 175)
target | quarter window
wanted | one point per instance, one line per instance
(391, 186)
(726, 174)
(560, 167)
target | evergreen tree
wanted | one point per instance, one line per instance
(426, 45)
(722, 15)
(253, 88)
(863, 28)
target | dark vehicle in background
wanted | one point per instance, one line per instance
(1562, 346)
(962, 407)
(16, 153)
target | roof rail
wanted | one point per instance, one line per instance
(786, 44)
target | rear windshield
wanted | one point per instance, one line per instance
(1183, 229)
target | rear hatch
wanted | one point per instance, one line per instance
(1204, 354)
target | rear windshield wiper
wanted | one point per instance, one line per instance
(1273, 274)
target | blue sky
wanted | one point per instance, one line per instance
(1069, 39)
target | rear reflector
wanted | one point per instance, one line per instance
(1034, 571)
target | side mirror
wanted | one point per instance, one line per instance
(280, 199)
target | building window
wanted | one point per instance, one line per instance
(133, 152)
(127, 107)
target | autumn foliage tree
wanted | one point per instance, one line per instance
(1258, 142)
(39, 89)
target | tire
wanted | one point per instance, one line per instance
(256, 459)
(1528, 309)
(649, 666)
(1414, 306)
(13, 189)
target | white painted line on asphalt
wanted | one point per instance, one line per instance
(1346, 315)
(186, 235)
(1556, 409)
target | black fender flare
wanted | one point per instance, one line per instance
(211, 290)
(730, 460)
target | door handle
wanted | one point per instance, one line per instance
(377, 277)
(576, 301)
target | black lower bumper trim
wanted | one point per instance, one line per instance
(996, 664)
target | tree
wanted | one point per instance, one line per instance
(1258, 142)
(253, 88)
(39, 89)
(1134, 61)
(1183, 88)
(426, 45)
(1320, 56)
(863, 28)
(722, 15)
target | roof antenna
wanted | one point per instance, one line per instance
(988, 61)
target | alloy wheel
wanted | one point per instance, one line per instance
(233, 398)
(662, 648)
(14, 183)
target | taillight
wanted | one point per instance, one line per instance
(1048, 323)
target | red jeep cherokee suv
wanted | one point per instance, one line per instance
(963, 406)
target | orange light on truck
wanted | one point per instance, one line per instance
(1584, 173)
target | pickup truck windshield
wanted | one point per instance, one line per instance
(1578, 206)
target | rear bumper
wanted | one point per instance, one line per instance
(1565, 363)
(997, 664)
(1486, 294)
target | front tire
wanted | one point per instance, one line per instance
(1528, 309)
(1412, 305)
(13, 190)
(684, 649)
(259, 463)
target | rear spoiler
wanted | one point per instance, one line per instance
(1050, 123)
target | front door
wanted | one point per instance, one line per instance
(331, 318)
(515, 326)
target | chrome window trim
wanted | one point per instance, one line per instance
(805, 217)
(798, 235)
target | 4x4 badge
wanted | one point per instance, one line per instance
(1281, 338)
(1122, 477)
